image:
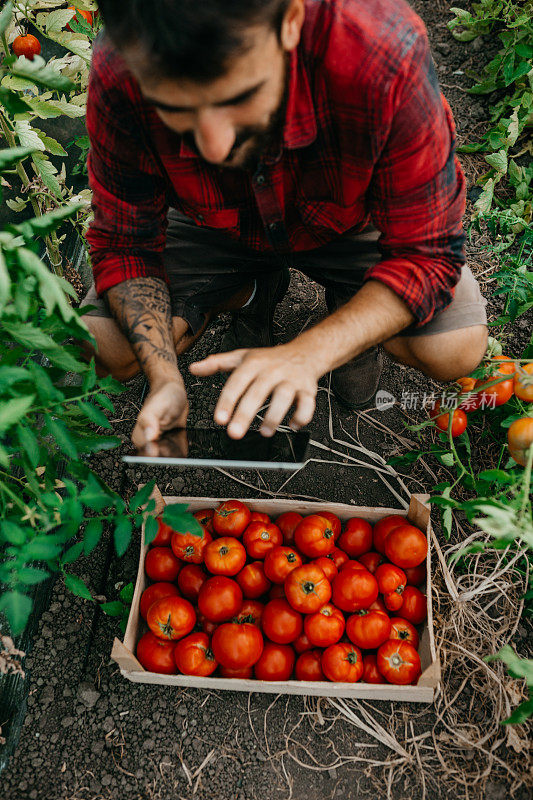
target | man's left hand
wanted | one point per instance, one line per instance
(284, 373)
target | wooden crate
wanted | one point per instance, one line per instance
(423, 692)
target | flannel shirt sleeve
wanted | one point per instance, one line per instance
(417, 193)
(128, 232)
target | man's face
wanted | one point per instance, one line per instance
(232, 120)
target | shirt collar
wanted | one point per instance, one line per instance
(300, 120)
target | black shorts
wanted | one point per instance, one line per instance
(206, 268)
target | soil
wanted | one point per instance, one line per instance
(89, 734)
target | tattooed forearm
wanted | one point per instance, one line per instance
(141, 307)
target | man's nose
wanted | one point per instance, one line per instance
(214, 135)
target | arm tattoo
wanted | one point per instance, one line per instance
(141, 307)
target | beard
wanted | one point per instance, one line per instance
(253, 142)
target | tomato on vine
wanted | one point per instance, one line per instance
(27, 46)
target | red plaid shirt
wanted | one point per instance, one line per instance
(368, 136)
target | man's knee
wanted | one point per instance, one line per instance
(448, 356)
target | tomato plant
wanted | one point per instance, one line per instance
(253, 581)
(307, 589)
(314, 536)
(398, 662)
(171, 617)
(281, 622)
(354, 590)
(224, 556)
(356, 537)
(193, 655)
(276, 663)
(368, 629)
(156, 655)
(231, 518)
(260, 538)
(155, 592)
(280, 561)
(342, 663)
(27, 46)
(309, 666)
(442, 421)
(325, 626)
(523, 383)
(237, 645)
(160, 564)
(520, 439)
(220, 598)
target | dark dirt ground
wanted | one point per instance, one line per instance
(89, 734)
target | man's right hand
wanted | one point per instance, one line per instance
(165, 408)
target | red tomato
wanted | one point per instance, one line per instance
(280, 622)
(231, 518)
(163, 535)
(253, 581)
(206, 625)
(338, 557)
(520, 439)
(314, 536)
(302, 643)
(404, 630)
(309, 666)
(352, 565)
(390, 578)
(287, 523)
(368, 629)
(383, 528)
(161, 564)
(378, 605)
(276, 663)
(415, 575)
(414, 606)
(259, 539)
(28, 46)
(279, 562)
(252, 612)
(258, 516)
(327, 565)
(87, 16)
(393, 600)
(398, 662)
(156, 655)
(325, 626)
(155, 592)
(243, 674)
(225, 556)
(335, 523)
(507, 367)
(237, 645)
(356, 537)
(194, 656)
(523, 383)
(371, 673)
(307, 589)
(190, 548)
(371, 561)
(190, 581)
(354, 590)
(277, 592)
(220, 598)
(342, 663)
(459, 420)
(406, 546)
(171, 618)
(205, 518)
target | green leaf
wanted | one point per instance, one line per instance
(45, 224)
(42, 548)
(77, 586)
(521, 714)
(41, 73)
(29, 444)
(11, 411)
(61, 436)
(12, 533)
(93, 444)
(94, 414)
(126, 593)
(142, 496)
(72, 553)
(94, 496)
(57, 20)
(518, 667)
(105, 402)
(5, 16)
(498, 161)
(495, 475)
(112, 609)
(179, 520)
(33, 338)
(122, 535)
(484, 201)
(92, 535)
(5, 282)
(17, 608)
(12, 102)
(52, 146)
(47, 171)
(150, 529)
(32, 575)
(12, 155)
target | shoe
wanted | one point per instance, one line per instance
(356, 382)
(252, 326)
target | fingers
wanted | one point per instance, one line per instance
(282, 400)
(146, 430)
(235, 386)
(220, 362)
(305, 409)
(251, 402)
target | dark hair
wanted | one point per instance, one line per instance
(193, 39)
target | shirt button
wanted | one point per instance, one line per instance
(273, 226)
(200, 217)
(260, 179)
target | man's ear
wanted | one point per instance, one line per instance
(291, 26)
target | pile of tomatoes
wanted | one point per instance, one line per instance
(300, 597)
